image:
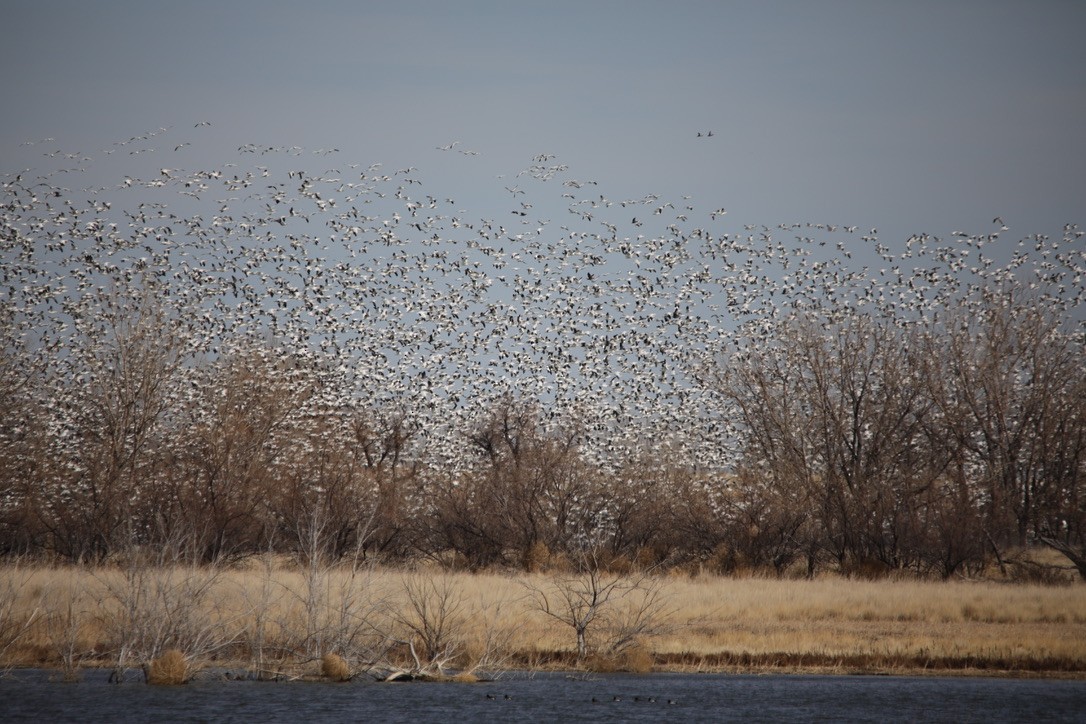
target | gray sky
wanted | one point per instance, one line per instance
(906, 116)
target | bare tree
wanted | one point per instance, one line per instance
(630, 606)
(838, 412)
(381, 444)
(240, 427)
(766, 525)
(338, 600)
(264, 658)
(115, 399)
(1010, 393)
(24, 464)
(529, 488)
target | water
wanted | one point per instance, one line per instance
(30, 696)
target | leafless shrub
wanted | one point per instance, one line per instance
(337, 601)
(432, 621)
(158, 600)
(624, 608)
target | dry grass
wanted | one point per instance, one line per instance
(636, 660)
(335, 667)
(717, 623)
(886, 623)
(169, 669)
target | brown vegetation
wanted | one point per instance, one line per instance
(450, 624)
(240, 497)
(865, 447)
(169, 669)
(335, 667)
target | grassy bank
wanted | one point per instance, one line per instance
(268, 619)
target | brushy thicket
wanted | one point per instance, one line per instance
(868, 451)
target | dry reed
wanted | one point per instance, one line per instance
(169, 669)
(716, 623)
(335, 667)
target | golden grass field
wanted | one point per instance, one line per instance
(69, 617)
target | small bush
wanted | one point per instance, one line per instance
(334, 667)
(601, 664)
(1027, 571)
(169, 669)
(636, 659)
(646, 558)
(537, 558)
(866, 569)
(725, 560)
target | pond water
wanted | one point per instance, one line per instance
(29, 695)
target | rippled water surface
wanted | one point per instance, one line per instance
(31, 696)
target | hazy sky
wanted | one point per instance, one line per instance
(907, 116)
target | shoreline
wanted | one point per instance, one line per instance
(563, 662)
(237, 672)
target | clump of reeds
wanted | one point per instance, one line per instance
(636, 659)
(335, 667)
(169, 669)
(601, 663)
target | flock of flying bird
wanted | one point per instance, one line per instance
(606, 311)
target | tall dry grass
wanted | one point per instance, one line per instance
(264, 616)
(169, 669)
(912, 622)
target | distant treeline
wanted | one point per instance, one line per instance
(267, 356)
(863, 445)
